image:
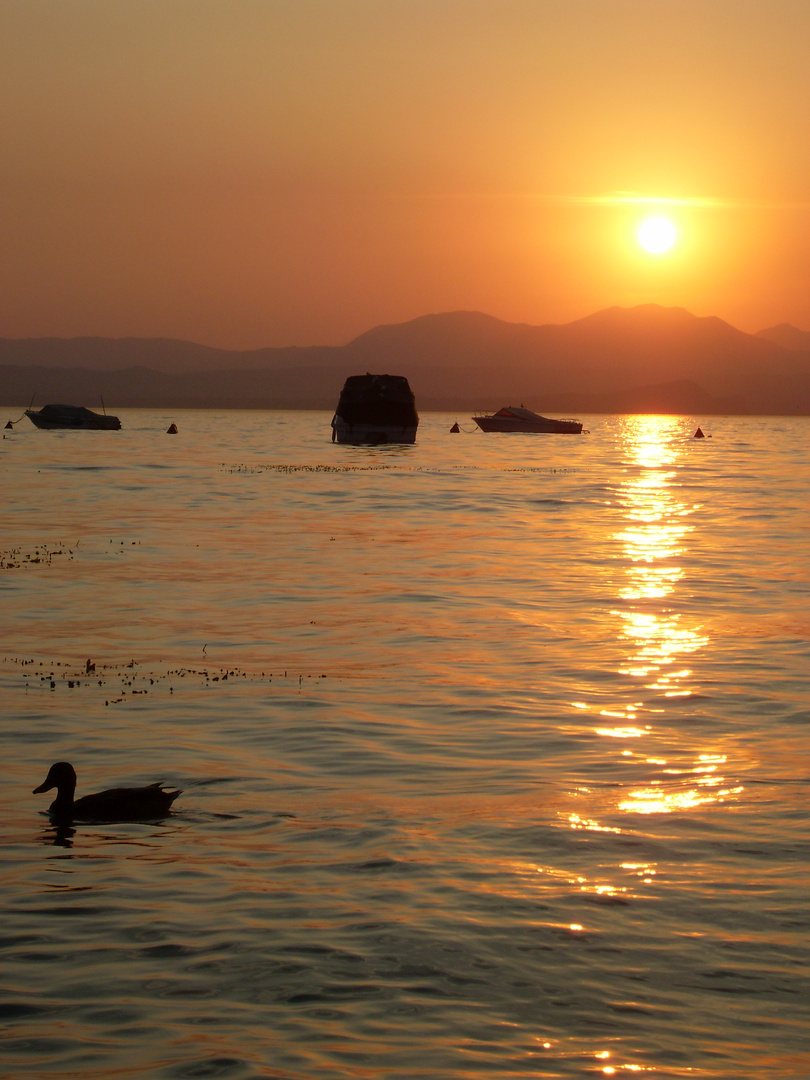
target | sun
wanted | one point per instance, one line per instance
(656, 235)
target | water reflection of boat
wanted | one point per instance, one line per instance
(375, 409)
(512, 418)
(73, 417)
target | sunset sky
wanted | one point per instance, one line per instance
(271, 172)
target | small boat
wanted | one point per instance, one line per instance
(73, 417)
(512, 418)
(375, 409)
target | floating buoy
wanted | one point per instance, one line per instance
(171, 429)
(455, 429)
(9, 425)
(699, 434)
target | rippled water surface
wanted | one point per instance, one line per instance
(493, 750)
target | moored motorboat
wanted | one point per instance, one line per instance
(72, 417)
(375, 409)
(514, 418)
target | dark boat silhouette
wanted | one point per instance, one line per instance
(513, 418)
(73, 417)
(375, 409)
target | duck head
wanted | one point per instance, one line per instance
(61, 776)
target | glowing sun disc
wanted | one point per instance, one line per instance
(656, 235)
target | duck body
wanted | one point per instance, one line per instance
(114, 804)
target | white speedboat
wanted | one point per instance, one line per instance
(513, 418)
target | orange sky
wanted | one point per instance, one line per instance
(270, 172)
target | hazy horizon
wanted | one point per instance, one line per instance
(416, 318)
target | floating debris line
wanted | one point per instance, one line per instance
(303, 468)
(43, 554)
(17, 558)
(260, 467)
(121, 680)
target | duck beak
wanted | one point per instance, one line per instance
(42, 787)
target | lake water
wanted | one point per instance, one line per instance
(493, 750)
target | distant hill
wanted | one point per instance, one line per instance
(789, 337)
(641, 359)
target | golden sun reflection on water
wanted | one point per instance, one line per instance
(703, 784)
(653, 538)
(661, 641)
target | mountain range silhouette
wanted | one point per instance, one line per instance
(641, 359)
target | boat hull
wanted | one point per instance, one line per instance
(374, 410)
(542, 426)
(71, 418)
(371, 434)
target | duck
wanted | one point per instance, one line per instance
(114, 804)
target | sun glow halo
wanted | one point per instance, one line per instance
(656, 235)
